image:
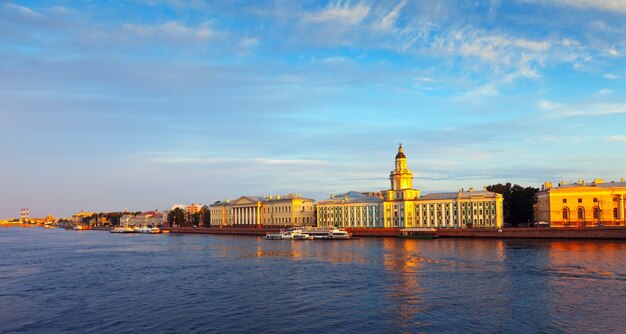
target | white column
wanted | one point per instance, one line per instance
(620, 198)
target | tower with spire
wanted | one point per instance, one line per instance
(399, 200)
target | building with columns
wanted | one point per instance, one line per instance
(403, 207)
(582, 204)
(352, 209)
(267, 211)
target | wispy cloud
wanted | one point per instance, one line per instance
(562, 110)
(617, 138)
(388, 21)
(173, 30)
(341, 13)
(617, 6)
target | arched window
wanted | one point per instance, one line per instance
(615, 213)
(565, 213)
(596, 213)
(581, 213)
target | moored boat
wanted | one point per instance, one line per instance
(327, 233)
(291, 234)
(122, 229)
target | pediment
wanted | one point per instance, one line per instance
(245, 200)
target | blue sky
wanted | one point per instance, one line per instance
(108, 105)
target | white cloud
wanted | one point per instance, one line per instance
(604, 92)
(613, 52)
(389, 20)
(617, 138)
(172, 30)
(350, 15)
(563, 110)
(22, 10)
(611, 76)
(618, 6)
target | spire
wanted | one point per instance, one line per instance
(400, 154)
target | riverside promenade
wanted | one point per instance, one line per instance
(618, 232)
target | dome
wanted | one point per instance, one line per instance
(400, 154)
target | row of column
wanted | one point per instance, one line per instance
(245, 216)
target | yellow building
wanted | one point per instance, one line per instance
(250, 211)
(402, 206)
(582, 203)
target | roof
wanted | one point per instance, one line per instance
(351, 197)
(605, 185)
(460, 195)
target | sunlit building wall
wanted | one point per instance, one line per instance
(582, 203)
(352, 209)
(247, 211)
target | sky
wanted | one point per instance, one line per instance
(139, 105)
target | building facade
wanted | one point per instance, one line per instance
(582, 204)
(403, 207)
(352, 209)
(267, 211)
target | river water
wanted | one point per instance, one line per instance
(52, 281)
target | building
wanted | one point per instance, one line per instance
(403, 207)
(352, 209)
(80, 217)
(193, 209)
(582, 204)
(268, 211)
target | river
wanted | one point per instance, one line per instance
(53, 280)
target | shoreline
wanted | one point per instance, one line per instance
(505, 233)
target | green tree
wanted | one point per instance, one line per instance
(518, 202)
(205, 216)
(176, 217)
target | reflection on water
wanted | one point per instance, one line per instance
(201, 283)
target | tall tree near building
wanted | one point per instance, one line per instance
(518, 202)
(205, 216)
(176, 217)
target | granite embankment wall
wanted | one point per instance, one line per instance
(538, 233)
(534, 233)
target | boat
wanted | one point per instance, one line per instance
(291, 234)
(150, 230)
(327, 233)
(122, 229)
(80, 227)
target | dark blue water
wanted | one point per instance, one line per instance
(52, 281)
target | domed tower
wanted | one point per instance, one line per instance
(401, 178)
(399, 201)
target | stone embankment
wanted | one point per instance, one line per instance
(532, 233)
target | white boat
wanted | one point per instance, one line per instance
(326, 233)
(122, 229)
(291, 234)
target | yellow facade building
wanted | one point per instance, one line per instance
(582, 204)
(267, 211)
(403, 207)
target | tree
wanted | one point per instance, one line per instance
(518, 202)
(205, 216)
(176, 217)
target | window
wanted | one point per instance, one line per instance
(565, 200)
(615, 213)
(596, 213)
(595, 199)
(580, 200)
(565, 213)
(581, 213)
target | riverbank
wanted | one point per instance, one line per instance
(529, 233)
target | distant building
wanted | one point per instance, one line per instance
(193, 208)
(78, 218)
(249, 211)
(149, 218)
(581, 203)
(402, 206)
